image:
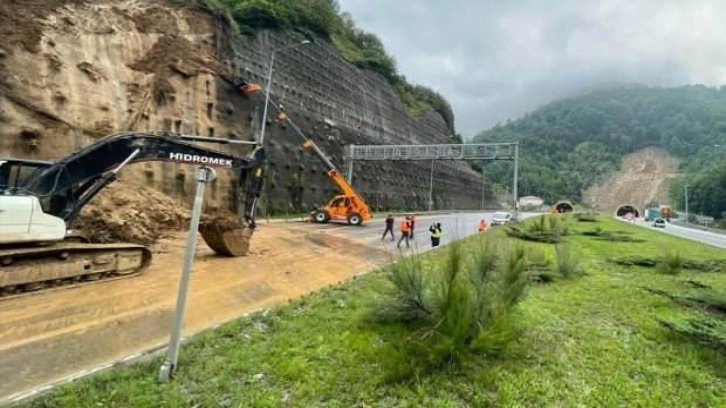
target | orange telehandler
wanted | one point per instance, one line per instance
(349, 206)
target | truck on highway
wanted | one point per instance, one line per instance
(651, 214)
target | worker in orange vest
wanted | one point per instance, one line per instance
(405, 228)
(483, 225)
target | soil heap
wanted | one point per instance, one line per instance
(126, 212)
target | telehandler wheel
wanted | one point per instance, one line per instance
(321, 216)
(354, 219)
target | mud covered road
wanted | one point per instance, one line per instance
(45, 337)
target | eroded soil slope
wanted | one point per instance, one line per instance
(644, 175)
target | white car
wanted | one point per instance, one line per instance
(501, 218)
(659, 223)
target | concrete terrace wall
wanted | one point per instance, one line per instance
(338, 104)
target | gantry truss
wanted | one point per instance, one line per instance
(470, 151)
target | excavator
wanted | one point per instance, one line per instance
(39, 199)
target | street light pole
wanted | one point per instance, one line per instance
(269, 84)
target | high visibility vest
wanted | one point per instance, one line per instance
(436, 233)
(405, 226)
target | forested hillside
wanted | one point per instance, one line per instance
(570, 144)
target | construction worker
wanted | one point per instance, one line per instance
(483, 225)
(405, 228)
(389, 228)
(435, 230)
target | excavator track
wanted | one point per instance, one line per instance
(37, 269)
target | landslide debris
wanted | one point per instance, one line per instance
(19, 21)
(126, 212)
(173, 55)
(644, 176)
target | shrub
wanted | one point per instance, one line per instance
(707, 265)
(545, 236)
(544, 229)
(460, 306)
(567, 261)
(538, 267)
(586, 217)
(708, 327)
(671, 264)
(617, 236)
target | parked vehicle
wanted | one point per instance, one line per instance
(659, 223)
(501, 218)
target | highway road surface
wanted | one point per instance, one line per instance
(706, 237)
(454, 225)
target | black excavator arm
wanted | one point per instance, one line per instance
(65, 186)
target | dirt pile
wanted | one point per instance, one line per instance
(125, 212)
(644, 175)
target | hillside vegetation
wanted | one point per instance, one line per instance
(568, 145)
(324, 19)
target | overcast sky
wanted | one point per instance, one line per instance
(495, 60)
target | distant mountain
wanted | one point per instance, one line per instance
(573, 143)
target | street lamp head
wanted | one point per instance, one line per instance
(305, 42)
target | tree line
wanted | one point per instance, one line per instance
(571, 144)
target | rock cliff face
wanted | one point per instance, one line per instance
(72, 71)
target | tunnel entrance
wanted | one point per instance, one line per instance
(627, 208)
(563, 207)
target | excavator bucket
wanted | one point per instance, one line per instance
(226, 237)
